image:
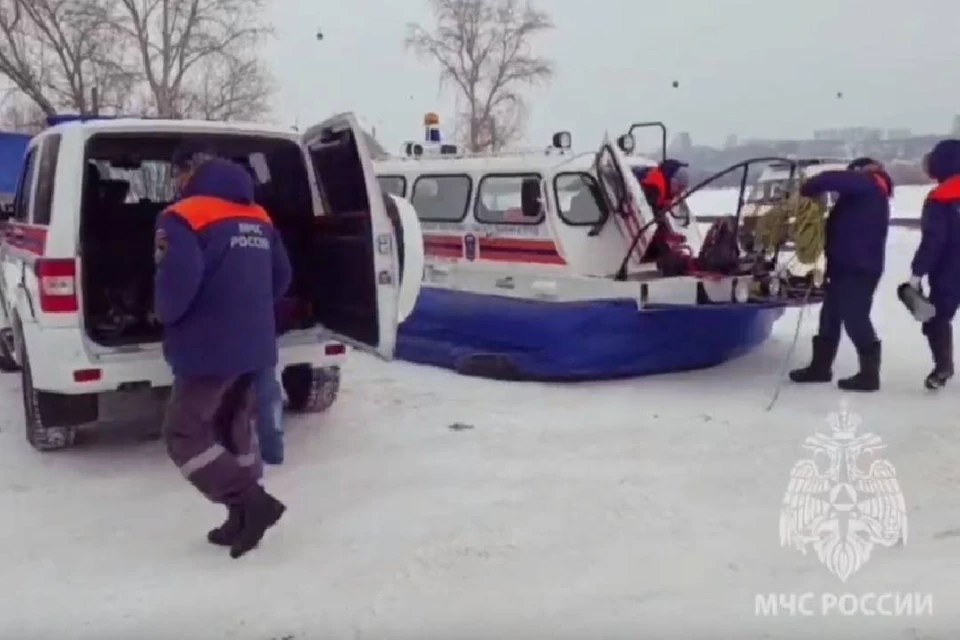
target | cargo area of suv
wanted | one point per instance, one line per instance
(128, 182)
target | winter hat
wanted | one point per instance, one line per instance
(864, 162)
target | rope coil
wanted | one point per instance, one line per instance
(794, 218)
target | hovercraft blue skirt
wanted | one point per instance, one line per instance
(507, 338)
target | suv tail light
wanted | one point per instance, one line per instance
(58, 285)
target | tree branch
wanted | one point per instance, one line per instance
(483, 48)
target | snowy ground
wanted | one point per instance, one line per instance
(638, 509)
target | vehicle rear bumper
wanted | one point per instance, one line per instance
(60, 362)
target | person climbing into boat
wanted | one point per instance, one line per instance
(938, 256)
(661, 185)
(855, 249)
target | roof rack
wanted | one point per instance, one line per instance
(460, 155)
(53, 121)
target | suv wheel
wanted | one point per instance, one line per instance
(311, 390)
(40, 436)
(8, 360)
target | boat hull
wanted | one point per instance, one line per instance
(508, 338)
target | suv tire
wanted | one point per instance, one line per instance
(8, 361)
(310, 390)
(40, 436)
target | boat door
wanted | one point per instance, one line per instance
(364, 306)
(577, 222)
(629, 208)
(598, 213)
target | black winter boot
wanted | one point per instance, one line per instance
(940, 338)
(260, 512)
(868, 378)
(820, 368)
(225, 534)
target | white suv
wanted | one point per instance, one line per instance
(77, 258)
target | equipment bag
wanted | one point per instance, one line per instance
(720, 252)
(916, 303)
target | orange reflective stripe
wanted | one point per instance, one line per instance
(881, 183)
(946, 191)
(202, 211)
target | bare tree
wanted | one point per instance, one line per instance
(20, 114)
(229, 88)
(483, 47)
(200, 57)
(169, 58)
(56, 51)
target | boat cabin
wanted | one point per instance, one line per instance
(543, 209)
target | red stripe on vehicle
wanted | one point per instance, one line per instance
(439, 246)
(519, 250)
(27, 237)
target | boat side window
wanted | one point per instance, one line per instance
(393, 185)
(442, 198)
(499, 199)
(579, 200)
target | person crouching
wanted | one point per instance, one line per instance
(938, 256)
(855, 247)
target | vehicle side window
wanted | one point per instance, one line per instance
(393, 185)
(498, 199)
(46, 177)
(21, 206)
(578, 199)
(442, 198)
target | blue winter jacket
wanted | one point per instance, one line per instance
(220, 269)
(938, 256)
(857, 225)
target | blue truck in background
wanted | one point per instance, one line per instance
(13, 146)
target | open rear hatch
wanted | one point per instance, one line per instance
(342, 247)
(358, 293)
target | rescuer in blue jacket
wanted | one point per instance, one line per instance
(938, 256)
(856, 241)
(220, 269)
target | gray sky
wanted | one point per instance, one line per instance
(757, 68)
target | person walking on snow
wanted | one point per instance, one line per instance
(855, 248)
(220, 269)
(938, 256)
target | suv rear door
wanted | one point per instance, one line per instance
(365, 309)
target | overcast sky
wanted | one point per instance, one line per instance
(756, 68)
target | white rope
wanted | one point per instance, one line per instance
(785, 371)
